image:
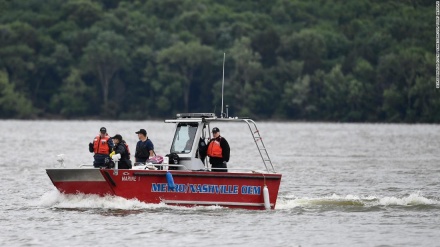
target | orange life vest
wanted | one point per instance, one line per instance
(100, 145)
(214, 149)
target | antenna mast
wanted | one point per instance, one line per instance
(223, 81)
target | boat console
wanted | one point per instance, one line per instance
(193, 134)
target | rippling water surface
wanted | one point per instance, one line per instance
(342, 185)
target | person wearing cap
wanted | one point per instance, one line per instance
(218, 152)
(121, 148)
(144, 147)
(102, 146)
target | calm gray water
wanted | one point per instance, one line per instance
(343, 185)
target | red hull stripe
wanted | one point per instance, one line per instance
(96, 188)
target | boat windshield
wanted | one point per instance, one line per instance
(184, 138)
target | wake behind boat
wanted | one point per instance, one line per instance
(186, 179)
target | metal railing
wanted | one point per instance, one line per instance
(260, 144)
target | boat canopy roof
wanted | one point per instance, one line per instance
(202, 117)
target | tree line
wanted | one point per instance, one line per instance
(349, 61)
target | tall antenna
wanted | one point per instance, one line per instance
(223, 80)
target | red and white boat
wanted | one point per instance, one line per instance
(187, 178)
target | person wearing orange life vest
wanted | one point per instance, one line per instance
(102, 146)
(218, 152)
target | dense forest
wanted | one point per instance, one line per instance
(347, 61)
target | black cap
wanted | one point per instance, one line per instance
(103, 130)
(215, 130)
(117, 136)
(142, 131)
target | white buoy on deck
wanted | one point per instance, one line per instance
(116, 158)
(266, 198)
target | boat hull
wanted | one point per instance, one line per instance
(191, 188)
(195, 188)
(85, 181)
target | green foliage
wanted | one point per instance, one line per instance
(72, 100)
(12, 103)
(103, 57)
(183, 62)
(82, 12)
(246, 76)
(287, 59)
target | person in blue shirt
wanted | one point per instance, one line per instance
(144, 147)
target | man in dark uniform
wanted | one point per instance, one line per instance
(144, 147)
(218, 152)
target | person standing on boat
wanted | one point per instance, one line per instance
(144, 147)
(121, 148)
(218, 152)
(102, 146)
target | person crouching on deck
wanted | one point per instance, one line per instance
(121, 148)
(218, 152)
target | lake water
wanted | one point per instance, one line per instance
(342, 185)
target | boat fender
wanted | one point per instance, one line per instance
(170, 181)
(266, 198)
